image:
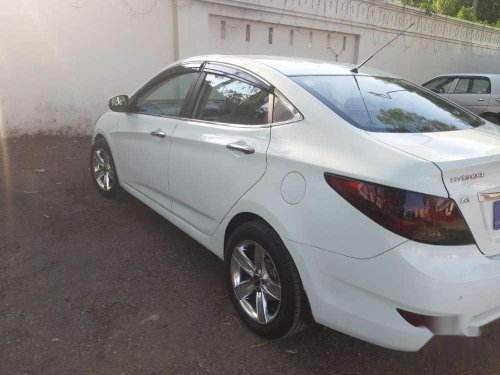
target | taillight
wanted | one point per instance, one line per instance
(418, 217)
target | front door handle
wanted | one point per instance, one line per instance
(242, 147)
(480, 100)
(159, 133)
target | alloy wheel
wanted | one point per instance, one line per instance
(102, 169)
(255, 281)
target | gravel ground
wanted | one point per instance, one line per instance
(90, 286)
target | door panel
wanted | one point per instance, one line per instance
(206, 177)
(143, 158)
(221, 153)
(472, 93)
(143, 138)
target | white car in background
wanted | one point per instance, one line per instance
(479, 93)
(358, 200)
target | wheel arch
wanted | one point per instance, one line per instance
(99, 136)
(238, 220)
(491, 114)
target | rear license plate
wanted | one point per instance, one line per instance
(496, 215)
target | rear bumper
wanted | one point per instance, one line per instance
(360, 296)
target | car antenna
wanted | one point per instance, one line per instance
(355, 70)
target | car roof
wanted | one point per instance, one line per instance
(293, 66)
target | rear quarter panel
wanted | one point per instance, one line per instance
(323, 142)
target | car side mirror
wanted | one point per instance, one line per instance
(119, 103)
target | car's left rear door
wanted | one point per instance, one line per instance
(472, 93)
(142, 139)
(220, 153)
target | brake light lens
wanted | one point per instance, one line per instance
(416, 216)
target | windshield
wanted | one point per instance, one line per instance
(381, 104)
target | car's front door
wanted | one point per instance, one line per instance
(441, 85)
(142, 140)
(472, 93)
(220, 153)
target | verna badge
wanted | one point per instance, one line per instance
(466, 177)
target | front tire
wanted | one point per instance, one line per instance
(102, 169)
(263, 281)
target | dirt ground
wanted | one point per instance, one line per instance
(89, 285)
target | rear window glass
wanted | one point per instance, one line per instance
(382, 104)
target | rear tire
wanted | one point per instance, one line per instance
(102, 169)
(269, 271)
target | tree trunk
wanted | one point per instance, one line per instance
(475, 4)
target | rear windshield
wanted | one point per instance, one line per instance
(381, 104)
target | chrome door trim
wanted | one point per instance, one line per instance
(158, 133)
(228, 125)
(241, 147)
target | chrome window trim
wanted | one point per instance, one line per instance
(159, 116)
(287, 122)
(229, 125)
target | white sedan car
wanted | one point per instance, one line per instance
(360, 200)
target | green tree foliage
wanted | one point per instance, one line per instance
(488, 11)
(446, 7)
(403, 121)
(466, 13)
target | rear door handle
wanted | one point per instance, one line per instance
(242, 147)
(159, 133)
(480, 100)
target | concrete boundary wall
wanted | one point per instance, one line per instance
(434, 45)
(62, 59)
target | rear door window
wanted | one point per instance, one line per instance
(481, 86)
(225, 99)
(473, 85)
